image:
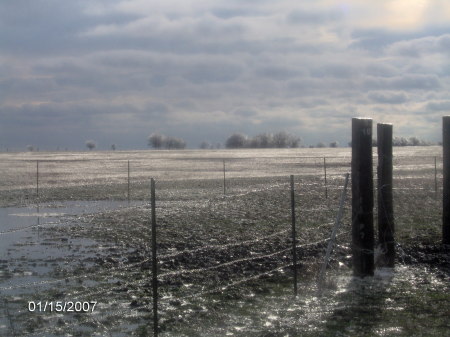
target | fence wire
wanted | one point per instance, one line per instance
(209, 242)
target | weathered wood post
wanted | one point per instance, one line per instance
(362, 198)
(386, 228)
(154, 261)
(446, 180)
(294, 243)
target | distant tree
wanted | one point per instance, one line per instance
(30, 148)
(280, 139)
(113, 147)
(334, 144)
(294, 142)
(90, 144)
(321, 145)
(174, 143)
(236, 140)
(262, 140)
(205, 145)
(156, 140)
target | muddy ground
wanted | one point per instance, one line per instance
(225, 262)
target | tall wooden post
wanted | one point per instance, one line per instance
(294, 244)
(386, 228)
(446, 180)
(154, 261)
(362, 198)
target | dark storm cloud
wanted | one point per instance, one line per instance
(206, 73)
(49, 26)
(276, 72)
(228, 13)
(443, 106)
(406, 82)
(317, 17)
(419, 47)
(344, 71)
(245, 112)
(387, 97)
(128, 67)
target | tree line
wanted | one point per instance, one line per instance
(263, 140)
(280, 139)
(158, 141)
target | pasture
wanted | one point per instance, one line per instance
(75, 227)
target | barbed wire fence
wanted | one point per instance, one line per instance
(247, 237)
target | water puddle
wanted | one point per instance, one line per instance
(29, 254)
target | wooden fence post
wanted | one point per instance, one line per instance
(446, 180)
(294, 241)
(362, 198)
(154, 261)
(386, 227)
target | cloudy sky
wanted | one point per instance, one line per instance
(116, 71)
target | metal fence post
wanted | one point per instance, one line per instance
(325, 172)
(333, 232)
(128, 182)
(435, 176)
(37, 178)
(294, 246)
(154, 261)
(224, 185)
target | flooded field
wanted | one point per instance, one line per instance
(75, 228)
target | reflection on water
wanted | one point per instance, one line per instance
(26, 255)
(387, 304)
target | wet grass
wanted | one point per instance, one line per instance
(200, 236)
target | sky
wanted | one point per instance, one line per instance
(116, 71)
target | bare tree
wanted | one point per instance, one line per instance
(30, 148)
(90, 144)
(280, 139)
(156, 140)
(236, 140)
(205, 145)
(113, 147)
(321, 144)
(334, 144)
(174, 143)
(262, 140)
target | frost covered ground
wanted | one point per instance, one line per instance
(70, 234)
